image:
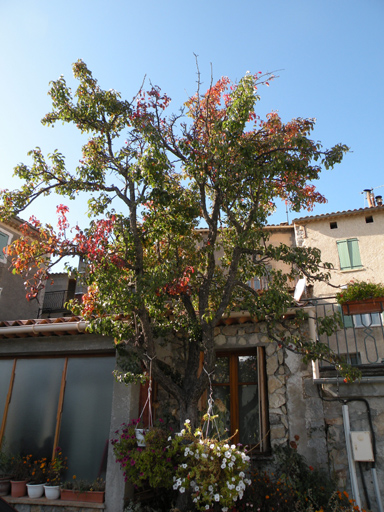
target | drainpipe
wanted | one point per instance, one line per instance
(44, 328)
(351, 462)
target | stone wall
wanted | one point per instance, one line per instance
(362, 398)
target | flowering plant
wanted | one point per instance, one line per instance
(39, 471)
(56, 467)
(81, 485)
(20, 467)
(360, 290)
(213, 470)
(151, 465)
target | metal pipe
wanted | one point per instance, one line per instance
(351, 462)
(41, 328)
(377, 490)
(338, 380)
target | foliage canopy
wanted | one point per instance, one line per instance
(154, 179)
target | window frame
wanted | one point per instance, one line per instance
(263, 442)
(63, 379)
(9, 235)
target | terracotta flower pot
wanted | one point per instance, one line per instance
(362, 307)
(87, 496)
(5, 485)
(18, 488)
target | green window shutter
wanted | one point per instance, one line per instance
(349, 254)
(347, 320)
(3, 243)
(354, 253)
(342, 248)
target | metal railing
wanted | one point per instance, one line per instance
(54, 301)
(361, 338)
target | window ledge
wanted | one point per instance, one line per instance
(349, 270)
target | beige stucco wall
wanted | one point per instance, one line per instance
(13, 303)
(317, 233)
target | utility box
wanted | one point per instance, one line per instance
(362, 446)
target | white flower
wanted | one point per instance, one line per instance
(241, 474)
(233, 447)
(210, 488)
(187, 421)
(184, 466)
(228, 454)
(224, 509)
(233, 479)
(223, 466)
(226, 446)
(233, 458)
(169, 438)
(183, 431)
(204, 455)
(182, 489)
(197, 456)
(217, 497)
(212, 446)
(230, 465)
(206, 507)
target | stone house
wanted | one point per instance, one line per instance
(13, 304)
(280, 398)
(353, 241)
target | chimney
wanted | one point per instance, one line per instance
(379, 200)
(370, 197)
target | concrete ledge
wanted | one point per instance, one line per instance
(26, 504)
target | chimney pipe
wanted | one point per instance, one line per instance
(379, 200)
(370, 197)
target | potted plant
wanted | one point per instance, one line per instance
(82, 490)
(54, 471)
(5, 473)
(20, 470)
(361, 297)
(38, 476)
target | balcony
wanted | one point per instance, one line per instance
(360, 341)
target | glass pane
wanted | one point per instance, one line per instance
(31, 420)
(87, 415)
(5, 377)
(248, 414)
(247, 368)
(221, 407)
(221, 370)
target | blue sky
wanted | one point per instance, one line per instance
(329, 54)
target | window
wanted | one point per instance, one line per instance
(4, 241)
(240, 398)
(367, 320)
(349, 254)
(58, 401)
(333, 225)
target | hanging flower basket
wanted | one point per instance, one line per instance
(362, 307)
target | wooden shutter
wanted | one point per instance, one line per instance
(354, 253)
(342, 248)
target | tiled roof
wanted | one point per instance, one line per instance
(323, 216)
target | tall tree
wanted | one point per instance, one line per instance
(154, 179)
